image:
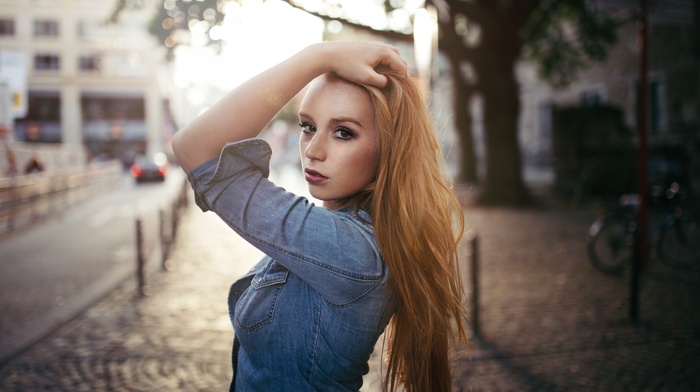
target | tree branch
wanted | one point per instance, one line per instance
(539, 21)
(118, 8)
(388, 34)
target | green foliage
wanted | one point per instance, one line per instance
(565, 36)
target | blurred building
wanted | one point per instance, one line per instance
(673, 86)
(90, 81)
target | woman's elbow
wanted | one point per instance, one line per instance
(180, 151)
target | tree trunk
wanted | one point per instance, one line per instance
(503, 183)
(463, 125)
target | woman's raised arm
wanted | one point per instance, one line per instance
(245, 111)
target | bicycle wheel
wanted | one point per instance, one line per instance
(679, 242)
(609, 245)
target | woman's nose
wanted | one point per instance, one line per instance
(316, 149)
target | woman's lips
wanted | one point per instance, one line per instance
(314, 177)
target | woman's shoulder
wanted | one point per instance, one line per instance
(356, 216)
(352, 241)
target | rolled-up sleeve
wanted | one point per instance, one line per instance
(330, 250)
(237, 158)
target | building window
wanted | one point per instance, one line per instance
(7, 27)
(47, 62)
(44, 107)
(655, 110)
(113, 108)
(90, 63)
(45, 28)
(544, 113)
(591, 98)
(655, 114)
(42, 122)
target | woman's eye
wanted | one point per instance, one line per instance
(342, 133)
(307, 128)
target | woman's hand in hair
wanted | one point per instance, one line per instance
(245, 111)
(358, 61)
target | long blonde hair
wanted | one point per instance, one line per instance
(418, 223)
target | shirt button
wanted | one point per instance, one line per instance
(235, 292)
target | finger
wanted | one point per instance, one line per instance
(396, 63)
(376, 79)
(380, 80)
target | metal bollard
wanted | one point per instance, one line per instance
(164, 243)
(183, 194)
(173, 220)
(140, 260)
(14, 208)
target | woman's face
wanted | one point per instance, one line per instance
(338, 143)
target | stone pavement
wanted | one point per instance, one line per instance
(548, 320)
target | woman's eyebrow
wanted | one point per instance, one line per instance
(335, 120)
(348, 119)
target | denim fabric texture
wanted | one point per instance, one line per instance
(307, 316)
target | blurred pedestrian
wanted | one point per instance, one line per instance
(34, 165)
(381, 251)
(11, 169)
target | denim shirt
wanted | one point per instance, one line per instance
(307, 316)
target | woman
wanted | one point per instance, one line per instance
(379, 253)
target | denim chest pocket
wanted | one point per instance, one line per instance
(256, 307)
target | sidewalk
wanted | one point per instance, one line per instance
(549, 321)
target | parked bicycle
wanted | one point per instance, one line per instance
(675, 239)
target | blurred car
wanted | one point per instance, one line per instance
(150, 167)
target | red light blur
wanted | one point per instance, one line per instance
(135, 170)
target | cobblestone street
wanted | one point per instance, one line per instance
(549, 321)
(177, 338)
